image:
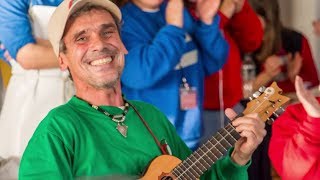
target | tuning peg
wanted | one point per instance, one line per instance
(270, 121)
(262, 89)
(275, 114)
(251, 98)
(281, 108)
(256, 94)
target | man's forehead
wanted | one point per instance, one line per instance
(97, 27)
(85, 20)
(105, 14)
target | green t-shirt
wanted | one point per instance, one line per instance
(77, 141)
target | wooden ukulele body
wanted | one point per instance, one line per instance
(161, 167)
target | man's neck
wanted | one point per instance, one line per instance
(98, 97)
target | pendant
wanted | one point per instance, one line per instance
(122, 128)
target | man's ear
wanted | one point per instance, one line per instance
(63, 61)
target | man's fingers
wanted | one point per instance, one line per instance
(230, 113)
(250, 119)
(259, 132)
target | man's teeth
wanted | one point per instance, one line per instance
(101, 61)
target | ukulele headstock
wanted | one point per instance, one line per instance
(267, 102)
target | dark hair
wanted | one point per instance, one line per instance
(270, 11)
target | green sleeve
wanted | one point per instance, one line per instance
(225, 168)
(46, 157)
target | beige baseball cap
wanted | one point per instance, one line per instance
(62, 13)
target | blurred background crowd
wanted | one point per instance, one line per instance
(190, 77)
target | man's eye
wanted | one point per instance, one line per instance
(81, 39)
(107, 33)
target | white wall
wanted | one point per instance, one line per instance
(299, 15)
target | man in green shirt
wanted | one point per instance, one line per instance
(98, 133)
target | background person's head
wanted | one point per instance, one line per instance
(269, 13)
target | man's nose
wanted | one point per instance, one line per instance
(97, 43)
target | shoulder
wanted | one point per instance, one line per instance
(132, 20)
(61, 111)
(58, 120)
(149, 112)
(140, 105)
(130, 12)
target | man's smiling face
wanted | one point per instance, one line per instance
(94, 50)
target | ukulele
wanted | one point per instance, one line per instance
(266, 102)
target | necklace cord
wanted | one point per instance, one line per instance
(162, 148)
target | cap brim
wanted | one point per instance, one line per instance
(61, 15)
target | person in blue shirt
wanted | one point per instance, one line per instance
(170, 53)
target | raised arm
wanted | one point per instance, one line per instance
(153, 51)
(294, 147)
(213, 48)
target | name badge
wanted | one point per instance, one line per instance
(188, 98)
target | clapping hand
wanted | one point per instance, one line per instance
(307, 99)
(207, 9)
(174, 13)
(272, 66)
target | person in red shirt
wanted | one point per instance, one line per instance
(294, 148)
(243, 31)
(284, 53)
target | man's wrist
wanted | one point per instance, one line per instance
(239, 159)
(207, 21)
